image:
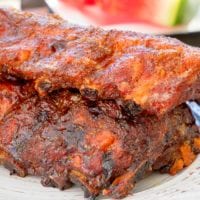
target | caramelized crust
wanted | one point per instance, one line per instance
(155, 73)
(12, 94)
(64, 139)
(90, 123)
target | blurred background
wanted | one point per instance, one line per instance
(149, 16)
(141, 15)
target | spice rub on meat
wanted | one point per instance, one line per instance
(100, 109)
(66, 139)
(155, 73)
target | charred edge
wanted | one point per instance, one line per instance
(131, 109)
(10, 78)
(74, 135)
(108, 165)
(89, 193)
(57, 46)
(121, 186)
(44, 86)
(74, 90)
(11, 164)
(59, 182)
(5, 76)
(14, 168)
(165, 169)
(94, 109)
(167, 138)
(89, 94)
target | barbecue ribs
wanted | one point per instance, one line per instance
(153, 72)
(11, 94)
(66, 139)
(96, 108)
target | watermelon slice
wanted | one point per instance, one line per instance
(79, 3)
(163, 12)
(170, 12)
(160, 12)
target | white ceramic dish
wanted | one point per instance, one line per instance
(184, 186)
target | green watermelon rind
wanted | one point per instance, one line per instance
(177, 11)
(182, 12)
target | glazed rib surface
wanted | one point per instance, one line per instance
(66, 139)
(155, 73)
(100, 109)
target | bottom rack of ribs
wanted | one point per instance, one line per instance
(67, 140)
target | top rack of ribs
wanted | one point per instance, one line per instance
(66, 139)
(155, 73)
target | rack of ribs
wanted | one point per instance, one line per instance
(155, 73)
(66, 139)
(100, 109)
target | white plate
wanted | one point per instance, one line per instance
(184, 186)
